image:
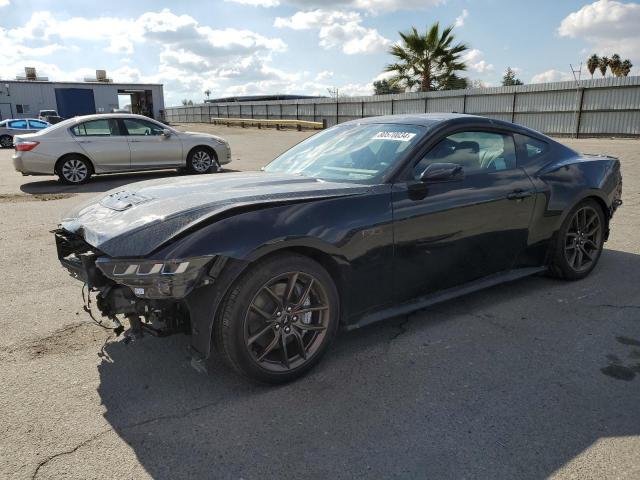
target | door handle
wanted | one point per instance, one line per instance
(519, 194)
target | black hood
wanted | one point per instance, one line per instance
(136, 219)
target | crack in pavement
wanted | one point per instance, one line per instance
(401, 328)
(160, 418)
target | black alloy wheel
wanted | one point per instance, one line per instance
(278, 319)
(580, 241)
(286, 321)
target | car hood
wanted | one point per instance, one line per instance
(136, 219)
(201, 135)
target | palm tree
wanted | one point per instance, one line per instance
(615, 63)
(207, 92)
(625, 68)
(426, 61)
(602, 65)
(592, 64)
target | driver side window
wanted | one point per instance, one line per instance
(475, 152)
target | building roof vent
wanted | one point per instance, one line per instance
(31, 75)
(101, 76)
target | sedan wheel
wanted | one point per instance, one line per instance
(74, 171)
(201, 161)
(279, 319)
(6, 141)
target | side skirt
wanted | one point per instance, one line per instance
(444, 295)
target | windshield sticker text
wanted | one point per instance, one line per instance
(400, 136)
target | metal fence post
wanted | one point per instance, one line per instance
(579, 110)
(337, 112)
(209, 112)
(266, 108)
(392, 106)
(314, 111)
(252, 110)
(362, 109)
(513, 107)
(464, 103)
(297, 114)
(425, 104)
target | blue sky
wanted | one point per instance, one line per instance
(235, 47)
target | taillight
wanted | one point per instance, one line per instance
(26, 146)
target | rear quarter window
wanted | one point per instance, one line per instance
(530, 149)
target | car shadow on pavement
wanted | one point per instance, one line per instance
(510, 383)
(101, 183)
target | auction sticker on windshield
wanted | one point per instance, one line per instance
(400, 136)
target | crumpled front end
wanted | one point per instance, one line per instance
(150, 294)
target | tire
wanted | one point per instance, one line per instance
(580, 241)
(255, 323)
(202, 160)
(74, 170)
(6, 141)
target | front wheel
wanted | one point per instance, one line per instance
(580, 242)
(279, 319)
(6, 141)
(202, 160)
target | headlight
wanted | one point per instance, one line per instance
(156, 278)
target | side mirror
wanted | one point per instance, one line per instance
(442, 172)
(166, 132)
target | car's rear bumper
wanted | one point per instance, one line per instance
(33, 163)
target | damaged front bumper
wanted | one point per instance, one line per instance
(153, 295)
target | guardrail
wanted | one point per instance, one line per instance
(243, 122)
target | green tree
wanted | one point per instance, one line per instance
(593, 63)
(625, 68)
(510, 78)
(384, 87)
(602, 65)
(426, 61)
(207, 92)
(615, 64)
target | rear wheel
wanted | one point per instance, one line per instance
(202, 160)
(580, 241)
(74, 170)
(279, 319)
(6, 141)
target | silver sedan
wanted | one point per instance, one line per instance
(79, 147)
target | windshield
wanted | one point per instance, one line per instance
(352, 153)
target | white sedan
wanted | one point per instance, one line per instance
(79, 147)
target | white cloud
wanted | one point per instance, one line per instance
(324, 75)
(461, 18)
(474, 59)
(257, 3)
(4, 3)
(337, 30)
(373, 6)
(551, 76)
(609, 26)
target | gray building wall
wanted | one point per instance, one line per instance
(42, 96)
(599, 107)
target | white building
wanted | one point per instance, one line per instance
(25, 97)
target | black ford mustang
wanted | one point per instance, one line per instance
(366, 220)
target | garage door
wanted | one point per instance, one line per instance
(73, 102)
